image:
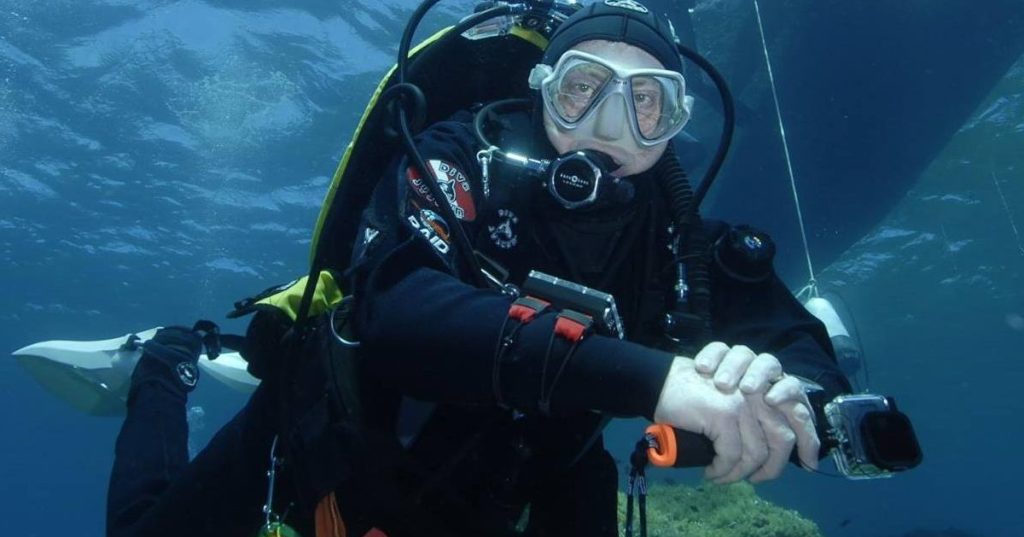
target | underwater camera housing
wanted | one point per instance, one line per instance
(872, 438)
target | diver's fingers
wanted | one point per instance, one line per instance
(788, 389)
(755, 447)
(733, 367)
(789, 397)
(781, 440)
(707, 360)
(801, 420)
(762, 372)
(728, 444)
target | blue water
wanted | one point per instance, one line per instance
(162, 159)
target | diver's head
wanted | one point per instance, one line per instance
(610, 80)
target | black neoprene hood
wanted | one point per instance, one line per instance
(627, 21)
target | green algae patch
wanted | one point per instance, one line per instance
(715, 511)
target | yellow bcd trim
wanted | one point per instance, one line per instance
(327, 295)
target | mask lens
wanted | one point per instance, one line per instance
(577, 86)
(658, 102)
(582, 82)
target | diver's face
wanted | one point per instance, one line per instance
(610, 131)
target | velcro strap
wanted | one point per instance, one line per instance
(573, 325)
(527, 308)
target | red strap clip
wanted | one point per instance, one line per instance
(573, 325)
(527, 308)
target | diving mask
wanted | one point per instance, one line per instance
(582, 90)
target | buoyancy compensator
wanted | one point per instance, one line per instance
(499, 38)
(412, 95)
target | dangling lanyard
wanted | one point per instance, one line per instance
(273, 524)
(637, 486)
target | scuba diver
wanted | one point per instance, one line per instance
(604, 296)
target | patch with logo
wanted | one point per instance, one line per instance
(369, 236)
(435, 222)
(432, 228)
(187, 374)
(418, 186)
(453, 183)
(504, 233)
(627, 4)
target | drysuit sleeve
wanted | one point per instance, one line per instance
(430, 335)
(154, 489)
(766, 317)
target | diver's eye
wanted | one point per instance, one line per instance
(581, 89)
(645, 100)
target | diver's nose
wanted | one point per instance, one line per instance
(611, 118)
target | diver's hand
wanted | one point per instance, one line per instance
(789, 397)
(170, 357)
(760, 376)
(737, 425)
(738, 366)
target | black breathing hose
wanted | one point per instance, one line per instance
(406, 43)
(729, 120)
(402, 67)
(694, 264)
(461, 238)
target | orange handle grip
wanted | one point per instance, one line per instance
(667, 451)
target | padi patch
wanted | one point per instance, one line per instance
(627, 4)
(503, 235)
(187, 374)
(431, 227)
(434, 221)
(418, 186)
(452, 182)
(456, 188)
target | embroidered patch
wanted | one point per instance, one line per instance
(453, 183)
(504, 233)
(432, 227)
(416, 182)
(370, 238)
(369, 234)
(435, 222)
(627, 4)
(456, 188)
(187, 374)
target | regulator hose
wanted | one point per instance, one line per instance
(689, 322)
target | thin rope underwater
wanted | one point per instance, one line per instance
(812, 285)
(1006, 207)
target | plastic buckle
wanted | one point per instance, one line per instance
(523, 310)
(527, 308)
(573, 325)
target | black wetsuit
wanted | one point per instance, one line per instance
(428, 335)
